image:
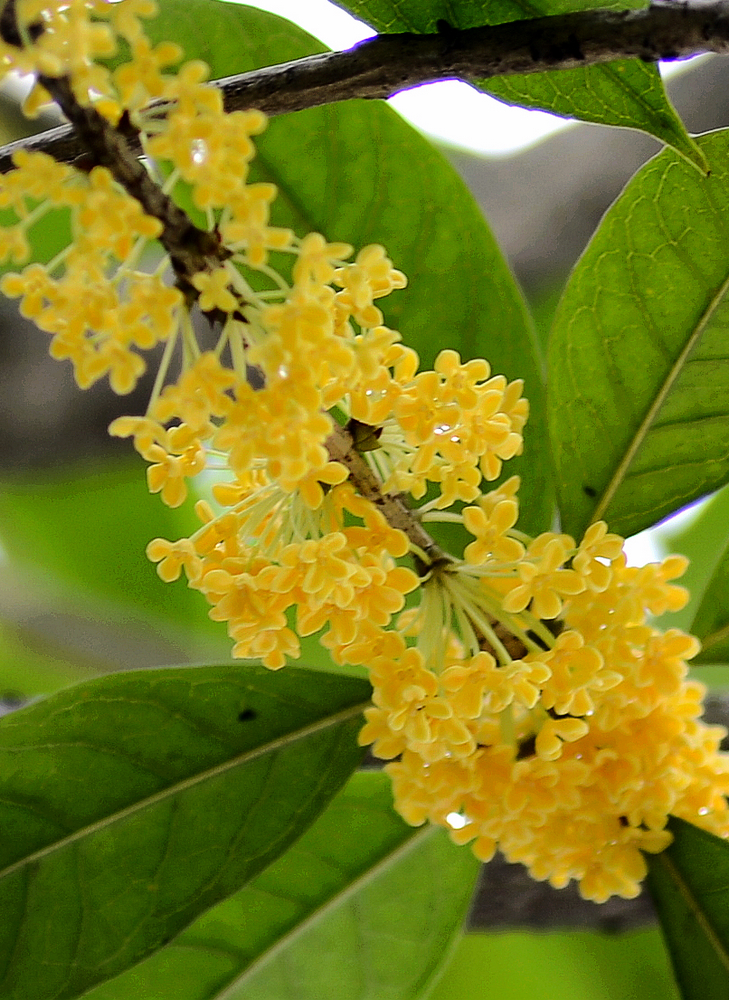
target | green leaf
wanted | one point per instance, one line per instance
(131, 804)
(710, 622)
(88, 528)
(639, 385)
(689, 883)
(705, 541)
(586, 965)
(626, 93)
(357, 173)
(361, 907)
(701, 537)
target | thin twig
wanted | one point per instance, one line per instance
(382, 66)
(190, 249)
(340, 446)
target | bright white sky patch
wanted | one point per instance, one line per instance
(450, 111)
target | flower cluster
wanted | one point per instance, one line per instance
(524, 698)
(539, 713)
(68, 39)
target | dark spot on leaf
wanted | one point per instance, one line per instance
(247, 715)
(589, 491)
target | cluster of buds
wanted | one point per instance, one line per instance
(523, 697)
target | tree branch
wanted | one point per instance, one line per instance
(190, 249)
(384, 65)
(340, 446)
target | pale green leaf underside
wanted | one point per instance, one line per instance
(705, 541)
(639, 381)
(131, 804)
(360, 908)
(689, 883)
(627, 93)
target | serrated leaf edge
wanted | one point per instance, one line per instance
(181, 786)
(641, 433)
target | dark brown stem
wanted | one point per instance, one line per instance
(382, 66)
(340, 446)
(386, 64)
(101, 144)
(190, 249)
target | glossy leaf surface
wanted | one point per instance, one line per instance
(639, 384)
(626, 93)
(690, 886)
(131, 804)
(362, 906)
(356, 172)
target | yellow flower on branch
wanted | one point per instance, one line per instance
(525, 699)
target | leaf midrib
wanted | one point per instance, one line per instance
(714, 638)
(693, 904)
(288, 739)
(646, 424)
(230, 992)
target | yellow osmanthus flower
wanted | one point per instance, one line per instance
(574, 767)
(525, 700)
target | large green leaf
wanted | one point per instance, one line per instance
(85, 529)
(131, 804)
(626, 93)
(360, 908)
(357, 172)
(689, 883)
(639, 385)
(700, 537)
(559, 965)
